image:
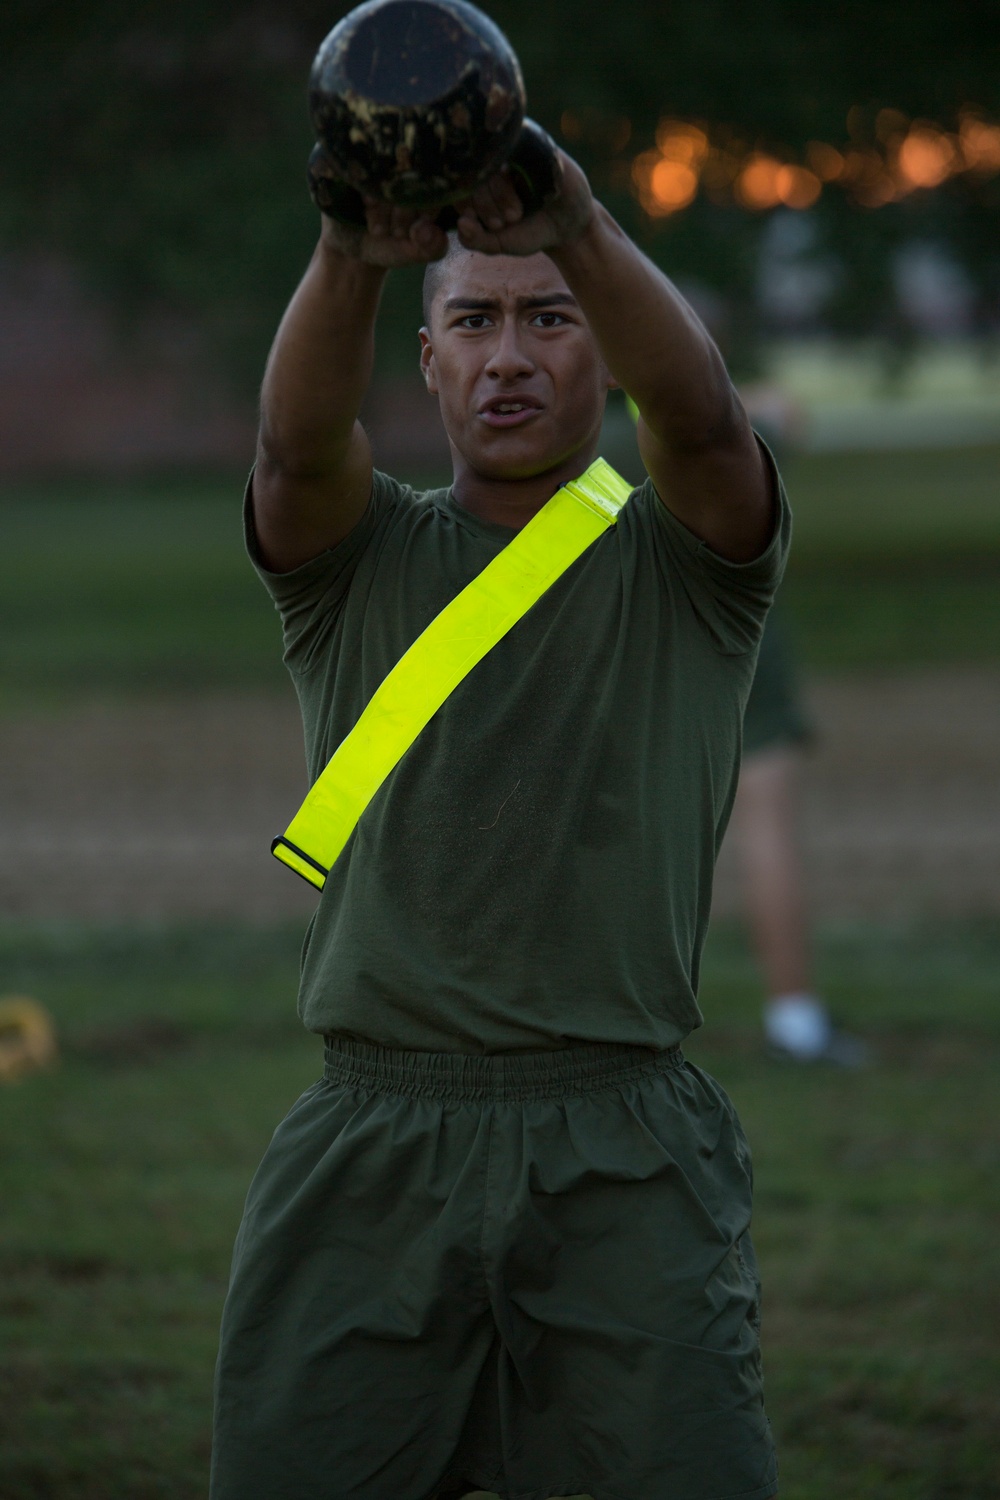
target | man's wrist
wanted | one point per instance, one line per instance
(584, 248)
(345, 265)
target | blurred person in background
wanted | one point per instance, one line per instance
(766, 820)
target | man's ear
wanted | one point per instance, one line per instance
(427, 362)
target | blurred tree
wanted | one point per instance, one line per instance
(161, 148)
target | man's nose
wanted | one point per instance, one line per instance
(509, 358)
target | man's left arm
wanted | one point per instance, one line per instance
(694, 435)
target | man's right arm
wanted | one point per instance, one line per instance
(313, 476)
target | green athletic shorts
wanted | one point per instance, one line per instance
(775, 714)
(527, 1273)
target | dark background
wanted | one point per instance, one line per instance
(160, 149)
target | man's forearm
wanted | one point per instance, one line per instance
(314, 469)
(320, 365)
(694, 436)
(653, 343)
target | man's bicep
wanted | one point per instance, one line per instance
(722, 490)
(298, 516)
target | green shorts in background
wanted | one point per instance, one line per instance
(775, 713)
(524, 1273)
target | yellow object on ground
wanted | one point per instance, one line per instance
(453, 643)
(27, 1038)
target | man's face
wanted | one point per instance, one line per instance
(517, 371)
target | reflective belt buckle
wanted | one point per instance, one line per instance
(298, 860)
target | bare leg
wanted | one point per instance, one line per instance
(765, 820)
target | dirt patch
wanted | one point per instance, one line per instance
(135, 1042)
(901, 798)
(152, 810)
(166, 809)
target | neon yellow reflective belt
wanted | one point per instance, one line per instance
(458, 638)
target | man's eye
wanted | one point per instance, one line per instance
(473, 320)
(548, 319)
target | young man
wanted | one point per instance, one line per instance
(504, 1244)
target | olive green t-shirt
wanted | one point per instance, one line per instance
(537, 870)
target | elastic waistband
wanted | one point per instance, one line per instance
(502, 1078)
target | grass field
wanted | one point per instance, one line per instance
(144, 587)
(123, 1173)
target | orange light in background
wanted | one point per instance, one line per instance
(642, 176)
(667, 178)
(673, 184)
(826, 161)
(926, 157)
(868, 179)
(798, 187)
(765, 182)
(877, 192)
(642, 167)
(980, 144)
(757, 185)
(721, 169)
(664, 186)
(679, 141)
(874, 169)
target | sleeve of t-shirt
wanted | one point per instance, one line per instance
(310, 598)
(730, 599)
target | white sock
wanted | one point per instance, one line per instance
(798, 1023)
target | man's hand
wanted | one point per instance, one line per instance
(493, 221)
(392, 237)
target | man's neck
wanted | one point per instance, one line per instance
(513, 502)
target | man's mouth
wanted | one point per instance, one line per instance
(509, 411)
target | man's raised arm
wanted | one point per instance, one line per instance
(694, 435)
(314, 468)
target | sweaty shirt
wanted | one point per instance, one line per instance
(537, 870)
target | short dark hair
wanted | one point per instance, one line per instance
(434, 274)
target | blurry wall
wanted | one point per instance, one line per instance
(75, 394)
(78, 392)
